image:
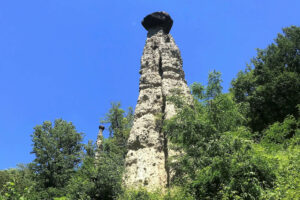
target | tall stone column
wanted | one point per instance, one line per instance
(99, 142)
(161, 71)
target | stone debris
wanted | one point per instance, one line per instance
(161, 72)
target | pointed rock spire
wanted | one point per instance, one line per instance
(99, 141)
(161, 72)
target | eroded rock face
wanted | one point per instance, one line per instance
(99, 142)
(161, 72)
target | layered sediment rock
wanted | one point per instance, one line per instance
(161, 72)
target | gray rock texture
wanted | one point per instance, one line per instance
(161, 72)
(99, 142)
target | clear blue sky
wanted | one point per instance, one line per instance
(69, 59)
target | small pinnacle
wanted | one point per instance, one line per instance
(158, 20)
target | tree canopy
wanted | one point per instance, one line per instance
(57, 151)
(272, 87)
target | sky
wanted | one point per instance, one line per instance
(70, 59)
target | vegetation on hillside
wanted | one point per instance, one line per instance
(238, 145)
(272, 87)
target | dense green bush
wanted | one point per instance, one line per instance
(18, 184)
(283, 133)
(218, 159)
(281, 142)
(174, 193)
(99, 179)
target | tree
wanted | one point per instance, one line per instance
(214, 87)
(219, 161)
(102, 179)
(57, 152)
(272, 88)
(120, 124)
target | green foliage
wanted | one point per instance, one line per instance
(283, 133)
(287, 183)
(61, 198)
(101, 178)
(19, 184)
(214, 87)
(4, 177)
(141, 194)
(118, 121)
(120, 124)
(243, 85)
(288, 177)
(57, 152)
(198, 90)
(174, 193)
(218, 160)
(98, 179)
(212, 90)
(281, 142)
(10, 191)
(272, 88)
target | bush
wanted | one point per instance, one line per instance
(283, 133)
(99, 179)
(175, 193)
(219, 160)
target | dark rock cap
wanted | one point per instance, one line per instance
(158, 19)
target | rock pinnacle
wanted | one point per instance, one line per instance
(161, 73)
